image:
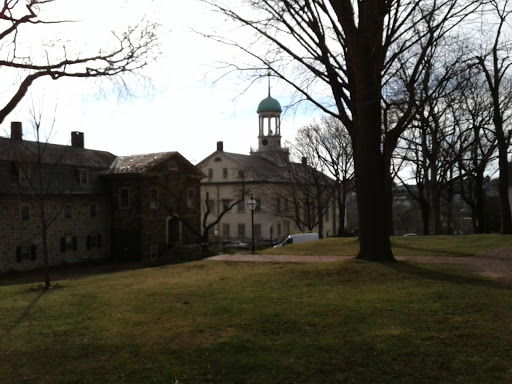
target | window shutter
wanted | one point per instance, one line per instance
(75, 243)
(88, 241)
(62, 244)
(18, 254)
(99, 240)
(33, 252)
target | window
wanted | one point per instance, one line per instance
(93, 210)
(69, 243)
(210, 205)
(257, 230)
(23, 175)
(82, 177)
(26, 252)
(241, 206)
(286, 228)
(217, 159)
(25, 212)
(153, 251)
(225, 230)
(124, 198)
(210, 173)
(258, 205)
(278, 205)
(94, 241)
(190, 198)
(241, 174)
(225, 204)
(172, 166)
(224, 173)
(153, 198)
(279, 233)
(241, 230)
(67, 211)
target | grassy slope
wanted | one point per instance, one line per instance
(220, 322)
(465, 245)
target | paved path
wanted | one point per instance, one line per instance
(495, 264)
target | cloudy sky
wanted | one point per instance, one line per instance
(187, 110)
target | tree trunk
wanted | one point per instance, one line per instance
(372, 206)
(503, 185)
(365, 57)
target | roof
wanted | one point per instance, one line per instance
(53, 154)
(145, 163)
(266, 169)
(269, 104)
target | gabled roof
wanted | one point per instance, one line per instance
(146, 163)
(265, 169)
(53, 154)
(261, 167)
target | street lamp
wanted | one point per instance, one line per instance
(252, 206)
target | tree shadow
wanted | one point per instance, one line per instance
(432, 251)
(23, 315)
(460, 275)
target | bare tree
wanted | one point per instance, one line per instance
(495, 62)
(309, 189)
(351, 51)
(472, 112)
(135, 49)
(38, 178)
(330, 143)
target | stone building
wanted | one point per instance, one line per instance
(76, 196)
(287, 192)
(154, 202)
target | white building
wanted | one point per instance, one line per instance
(285, 205)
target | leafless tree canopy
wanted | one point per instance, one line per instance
(349, 58)
(134, 49)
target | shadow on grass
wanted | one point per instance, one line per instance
(432, 251)
(24, 315)
(458, 276)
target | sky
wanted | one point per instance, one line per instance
(187, 109)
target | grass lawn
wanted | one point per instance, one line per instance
(222, 322)
(464, 245)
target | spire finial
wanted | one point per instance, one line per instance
(268, 74)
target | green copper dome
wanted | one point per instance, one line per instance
(269, 104)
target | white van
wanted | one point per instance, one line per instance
(298, 238)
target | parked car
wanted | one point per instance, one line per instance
(238, 245)
(298, 238)
(268, 242)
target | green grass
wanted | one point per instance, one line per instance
(464, 245)
(222, 322)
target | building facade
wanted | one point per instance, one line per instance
(291, 197)
(72, 198)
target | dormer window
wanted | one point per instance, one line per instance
(23, 175)
(82, 177)
(172, 166)
(153, 199)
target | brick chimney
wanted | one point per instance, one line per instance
(220, 146)
(16, 130)
(77, 139)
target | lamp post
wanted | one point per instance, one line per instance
(252, 206)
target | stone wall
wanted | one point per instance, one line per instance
(78, 230)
